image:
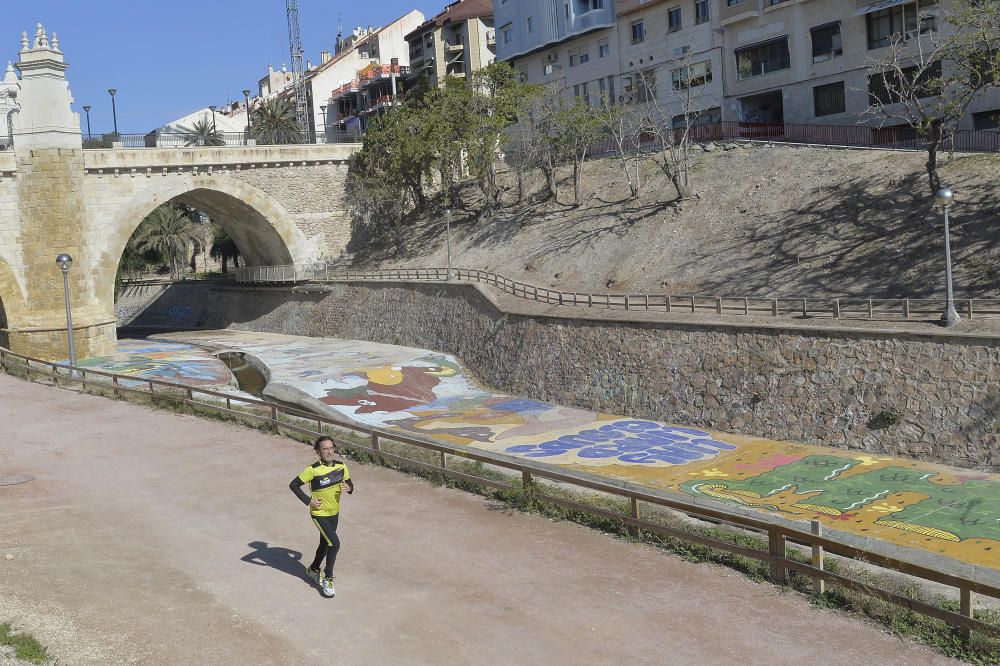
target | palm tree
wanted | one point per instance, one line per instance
(224, 249)
(203, 133)
(170, 232)
(274, 122)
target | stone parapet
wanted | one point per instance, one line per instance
(205, 157)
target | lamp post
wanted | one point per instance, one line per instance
(64, 261)
(114, 110)
(86, 109)
(447, 222)
(322, 109)
(211, 140)
(246, 96)
(944, 198)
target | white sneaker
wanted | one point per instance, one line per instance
(326, 584)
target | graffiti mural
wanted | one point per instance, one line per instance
(169, 362)
(908, 503)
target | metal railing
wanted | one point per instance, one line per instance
(847, 307)
(220, 139)
(851, 136)
(779, 536)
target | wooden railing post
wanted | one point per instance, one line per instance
(376, 447)
(819, 585)
(634, 506)
(718, 306)
(274, 417)
(776, 548)
(774, 307)
(906, 308)
(836, 308)
(114, 389)
(444, 460)
(525, 480)
(965, 607)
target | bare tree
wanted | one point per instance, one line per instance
(927, 78)
(672, 144)
(522, 154)
(622, 127)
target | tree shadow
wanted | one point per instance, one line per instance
(282, 559)
(883, 234)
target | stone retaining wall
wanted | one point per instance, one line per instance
(820, 387)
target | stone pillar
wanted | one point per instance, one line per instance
(48, 150)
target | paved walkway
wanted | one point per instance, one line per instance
(148, 537)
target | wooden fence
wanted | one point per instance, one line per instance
(805, 306)
(636, 497)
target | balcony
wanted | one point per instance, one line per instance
(349, 87)
(741, 11)
(454, 48)
(491, 38)
(375, 72)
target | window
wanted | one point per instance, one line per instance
(829, 99)
(638, 32)
(674, 19)
(507, 34)
(597, 4)
(586, 93)
(548, 68)
(626, 88)
(573, 57)
(826, 41)
(645, 85)
(698, 74)
(602, 90)
(986, 120)
(902, 21)
(530, 25)
(566, 8)
(584, 57)
(576, 90)
(884, 89)
(602, 49)
(762, 59)
(711, 116)
(733, 3)
(701, 11)
(611, 89)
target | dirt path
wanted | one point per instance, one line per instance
(149, 537)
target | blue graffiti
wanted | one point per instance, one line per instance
(642, 442)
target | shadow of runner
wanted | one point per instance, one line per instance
(282, 559)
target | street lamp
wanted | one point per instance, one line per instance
(86, 109)
(214, 129)
(64, 261)
(944, 198)
(322, 109)
(246, 96)
(447, 222)
(114, 110)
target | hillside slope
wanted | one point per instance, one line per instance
(768, 220)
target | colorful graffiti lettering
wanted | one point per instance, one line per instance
(642, 442)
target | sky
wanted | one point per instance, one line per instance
(169, 58)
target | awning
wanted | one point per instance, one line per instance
(885, 4)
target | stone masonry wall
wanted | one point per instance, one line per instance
(820, 387)
(314, 195)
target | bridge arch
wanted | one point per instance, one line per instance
(261, 227)
(11, 303)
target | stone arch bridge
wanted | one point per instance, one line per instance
(280, 204)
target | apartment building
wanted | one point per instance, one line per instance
(363, 75)
(456, 42)
(753, 61)
(805, 61)
(671, 51)
(572, 44)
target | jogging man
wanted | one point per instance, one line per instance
(326, 478)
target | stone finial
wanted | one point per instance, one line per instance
(10, 76)
(24, 39)
(55, 41)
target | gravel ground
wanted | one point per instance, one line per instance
(768, 221)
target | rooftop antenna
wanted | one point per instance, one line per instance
(340, 30)
(298, 71)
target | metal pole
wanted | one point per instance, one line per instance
(86, 110)
(246, 96)
(114, 109)
(447, 221)
(64, 261)
(950, 316)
